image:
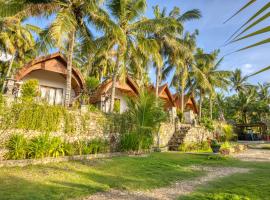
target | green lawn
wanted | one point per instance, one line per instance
(78, 179)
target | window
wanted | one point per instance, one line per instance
(53, 96)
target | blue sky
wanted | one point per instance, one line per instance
(213, 33)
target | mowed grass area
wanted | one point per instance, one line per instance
(78, 179)
(254, 185)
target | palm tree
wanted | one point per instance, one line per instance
(169, 39)
(239, 82)
(16, 39)
(132, 38)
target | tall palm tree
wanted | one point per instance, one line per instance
(16, 39)
(169, 39)
(133, 31)
(239, 82)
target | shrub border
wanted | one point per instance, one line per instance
(26, 162)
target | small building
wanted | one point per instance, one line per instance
(165, 95)
(102, 96)
(190, 107)
(51, 72)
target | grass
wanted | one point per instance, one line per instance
(78, 179)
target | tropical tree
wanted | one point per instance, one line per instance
(172, 47)
(238, 81)
(132, 38)
(16, 40)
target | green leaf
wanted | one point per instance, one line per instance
(256, 44)
(254, 24)
(243, 8)
(262, 70)
(253, 17)
(261, 31)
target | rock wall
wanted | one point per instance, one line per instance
(85, 126)
(197, 134)
(166, 131)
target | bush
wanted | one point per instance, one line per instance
(91, 83)
(30, 89)
(129, 142)
(195, 147)
(207, 123)
(180, 115)
(69, 149)
(117, 106)
(228, 132)
(57, 147)
(33, 116)
(39, 147)
(17, 147)
(135, 142)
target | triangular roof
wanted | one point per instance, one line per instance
(55, 62)
(129, 86)
(189, 100)
(164, 93)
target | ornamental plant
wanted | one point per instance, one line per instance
(17, 147)
(30, 89)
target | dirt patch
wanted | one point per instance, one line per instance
(172, 191)
(254, 155)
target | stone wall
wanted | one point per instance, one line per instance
(86, 126)
(166, 131)
(197, 134)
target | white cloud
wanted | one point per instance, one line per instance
(247, 69)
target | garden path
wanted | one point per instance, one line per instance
(254, 155)
(172, 191)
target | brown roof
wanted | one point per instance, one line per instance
(53, 62)
(129, 86)
(165, 94)
(189, 102)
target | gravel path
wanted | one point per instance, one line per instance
(170, 192)
(254, 155)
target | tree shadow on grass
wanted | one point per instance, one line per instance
(15, 188)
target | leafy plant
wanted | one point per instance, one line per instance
(17, 147)
(228, 132)
(194, 147)
(39, 147)
(69, 149)
(129, 142)
(56, 147)
(30, 89)
(91, 83)
(180, 115)
(117, 105)
(207, 123)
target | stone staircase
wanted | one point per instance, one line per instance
(178, 137)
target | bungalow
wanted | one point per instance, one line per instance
(51, 72)
(190, 107)
(102, 96)
(165, 95)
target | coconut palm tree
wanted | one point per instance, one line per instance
(238, 81)
(133, 37)
(169, 39)
(16, 40)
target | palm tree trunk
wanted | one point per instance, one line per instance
(69, 67)
(114, 79)
(200, 104)
(8, 72)
(211, 107)
(157, 80)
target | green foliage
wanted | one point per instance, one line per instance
(219, 196)
(91, 83)
(180, 115)
(195, 147)
(69, 149)
(228, 132)
(207, 123)
(146, 112)
(39, 147)
(116, 107)
(225, 145)
(33, 116)
(56, 147)
(30, 89)
(215, 143)
(17, 147)
(70, 123)
(135, 142)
